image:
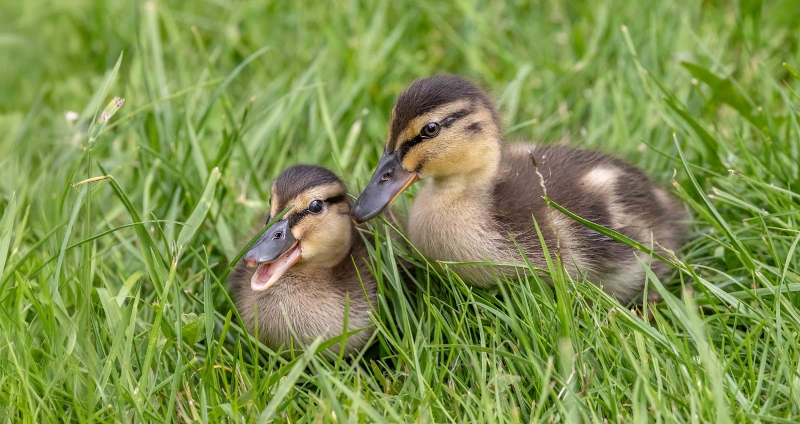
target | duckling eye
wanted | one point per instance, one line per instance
(315, 206)
(430, 130)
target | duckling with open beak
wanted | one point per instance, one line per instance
(481, 197)
(307, 269)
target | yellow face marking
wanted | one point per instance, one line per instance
(325, 238)
(302, 200)
(320, 192)
(274, 201)
(456, 149)
(436, 115)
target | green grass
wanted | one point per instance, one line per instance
(113, 304)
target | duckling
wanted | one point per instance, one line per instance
(481, 197)
(304, 268)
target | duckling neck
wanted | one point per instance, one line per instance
(333, 266)
(310, 272)
(476, 183)
(451, 220)
(461, 188)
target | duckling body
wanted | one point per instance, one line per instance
(481, 197)
(597, 187)
(311, 302)
(297, 282)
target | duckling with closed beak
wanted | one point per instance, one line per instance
(307, 269)
(481, 197)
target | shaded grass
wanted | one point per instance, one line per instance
(113, 305)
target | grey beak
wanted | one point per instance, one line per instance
(272, 244)
(387, 182)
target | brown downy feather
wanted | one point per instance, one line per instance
(309, 301)
(627, 201)
(479, 194)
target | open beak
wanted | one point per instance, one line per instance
(276, 252)
(389, 180)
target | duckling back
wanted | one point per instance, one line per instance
(599, 188)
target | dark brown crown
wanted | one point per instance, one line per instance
(299, 178)
(427, 94)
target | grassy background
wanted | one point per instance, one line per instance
(102, 320)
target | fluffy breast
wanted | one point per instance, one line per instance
(300, 308)
(446, 226)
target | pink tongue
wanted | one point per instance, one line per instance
(267, 274)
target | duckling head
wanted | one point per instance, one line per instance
(316, 233)
(443, 127)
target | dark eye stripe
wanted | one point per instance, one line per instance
(455, 116)
(475, 127)
(297, 217)
(446, 122)
(335, 199)
(405, 147)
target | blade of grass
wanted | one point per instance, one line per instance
(6, 224)
(200, 211)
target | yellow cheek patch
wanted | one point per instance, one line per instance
(324, 239)
(415, 157)
(300, 229)
(449, 149)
